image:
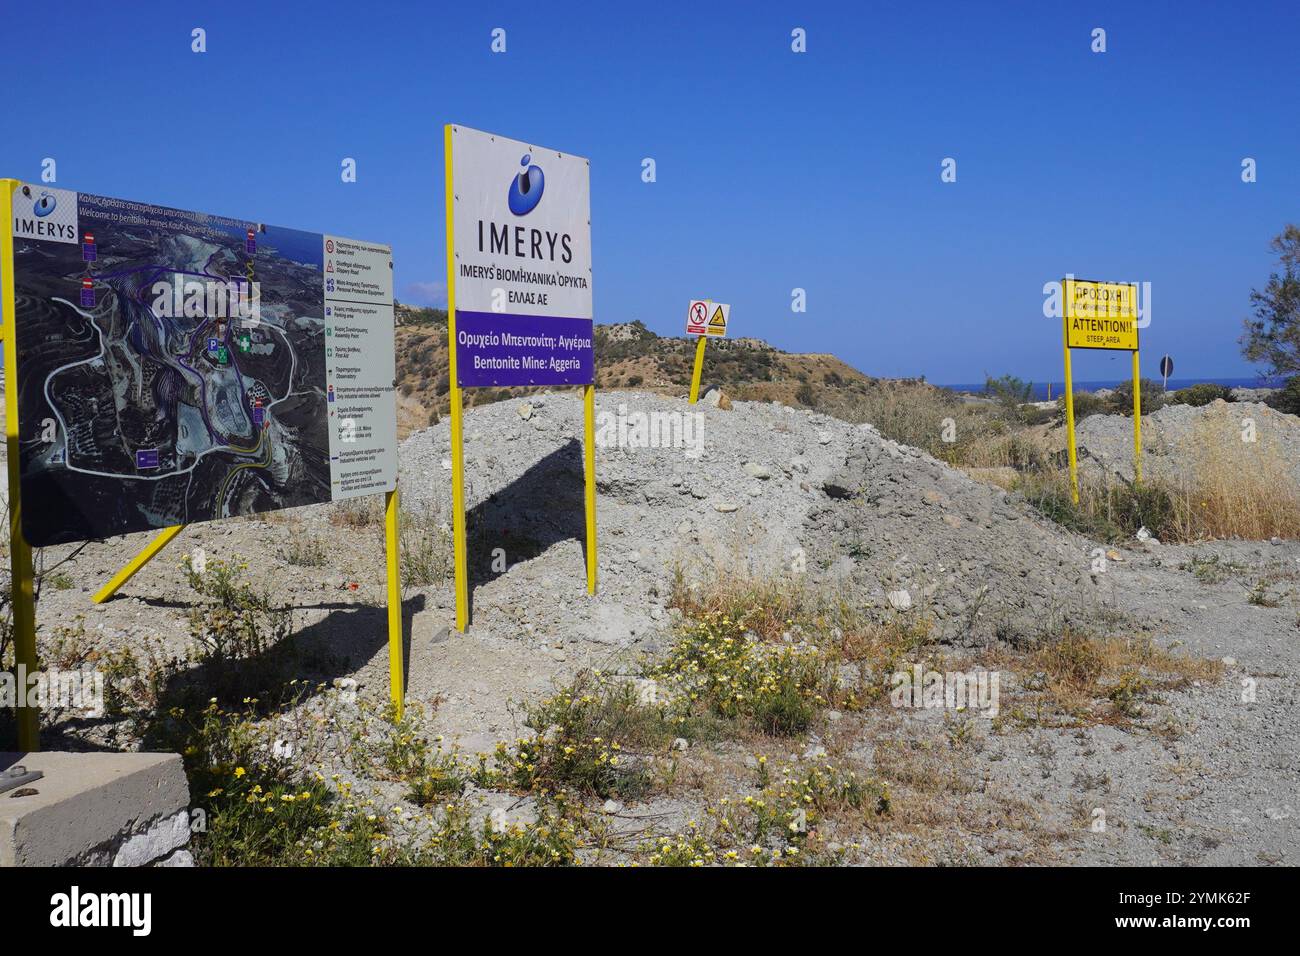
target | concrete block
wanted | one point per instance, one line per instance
(94, 809)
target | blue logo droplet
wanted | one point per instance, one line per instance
(526, 188)
(45, 205)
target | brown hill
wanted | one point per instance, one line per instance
(628, 355)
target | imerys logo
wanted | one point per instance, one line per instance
(525, 193)
(526, 188)
(47, 215)
(45, 205)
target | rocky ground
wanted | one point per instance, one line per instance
(1205, 773)
(1177, 438)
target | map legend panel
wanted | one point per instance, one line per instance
(360, 370)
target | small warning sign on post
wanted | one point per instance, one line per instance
(705, 317)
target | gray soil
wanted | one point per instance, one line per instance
(1202, 776)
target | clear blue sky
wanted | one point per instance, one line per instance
(775, 170)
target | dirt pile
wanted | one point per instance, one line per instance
(755, 491)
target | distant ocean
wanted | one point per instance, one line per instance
(1040, 388)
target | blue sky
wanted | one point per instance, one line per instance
(775, 170)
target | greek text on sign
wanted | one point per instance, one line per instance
(195, 367)
(1100, 315)
(522, 245)
(705, 317)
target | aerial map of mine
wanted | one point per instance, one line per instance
(172, 367)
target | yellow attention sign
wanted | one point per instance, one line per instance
(1100, 315)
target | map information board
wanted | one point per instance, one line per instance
(177, 367)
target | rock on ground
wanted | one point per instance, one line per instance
(1178, 437)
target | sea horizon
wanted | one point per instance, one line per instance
(1040, 389)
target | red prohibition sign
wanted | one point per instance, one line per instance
(699, 312)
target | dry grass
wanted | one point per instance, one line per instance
(1082, 680)
(358, 513)
(1235, 489)
(950, 429)
(769, 607)
(776, 609)
(942, 804)
(1224, 487)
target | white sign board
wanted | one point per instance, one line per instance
(522, 262)
(360, 370)
(706, 317)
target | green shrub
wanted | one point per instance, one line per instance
(1037, 416)
(1085, 404)
(1009, 392)
(1106, 512)
(1153, 397)
(1287, 398)
(235, 620)
(425, 548)
(586, 741)
(1200, 394)
(259, 810)
(1143, 506)
(722, 666)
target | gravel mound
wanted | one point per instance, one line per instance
(1177, 437)
(760, 490)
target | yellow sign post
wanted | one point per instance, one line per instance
(20, 554)
(460, 560)
(115, 583)
(1100, 315)
(396, 646)
(699, 369)
(589, 473)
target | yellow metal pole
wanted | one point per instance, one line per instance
(699, 367)
(23, 593)
(454, 396)
(1137, 420)
(1069, 420)
(392, 540)
(135, 564)
(589, 406)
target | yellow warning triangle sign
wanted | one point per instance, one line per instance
(719, 321)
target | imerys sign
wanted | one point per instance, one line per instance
(518, 295)
(521, 228)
